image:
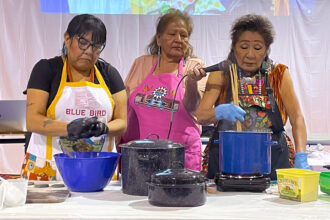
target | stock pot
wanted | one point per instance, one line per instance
(245, 152)
(141, 158)
(177, 187)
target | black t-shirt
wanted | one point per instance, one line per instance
(46, 75)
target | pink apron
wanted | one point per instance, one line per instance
(149, 112)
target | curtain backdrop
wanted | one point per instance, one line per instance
(302, 42)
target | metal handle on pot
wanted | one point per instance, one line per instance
(146, 157)
(157, 136)
(177, 165)
(272, 143)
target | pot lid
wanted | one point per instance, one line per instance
(178, 176)
(151, 144)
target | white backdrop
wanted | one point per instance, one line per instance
(302, 42)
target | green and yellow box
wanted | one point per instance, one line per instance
(298, 184)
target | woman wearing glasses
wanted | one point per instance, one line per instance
(73, 96)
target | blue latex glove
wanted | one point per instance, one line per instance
(300, 161)
(229, 112)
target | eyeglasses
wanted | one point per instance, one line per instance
(84, 44)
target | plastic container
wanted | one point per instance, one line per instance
(325, 182)
(93, 144)
(87, 173)
(298, 184)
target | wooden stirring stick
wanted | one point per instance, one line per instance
(234, 89)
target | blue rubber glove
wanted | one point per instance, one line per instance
(300, 161)
(229, 112)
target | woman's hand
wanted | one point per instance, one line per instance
(196, 73)
(86, 128)
(229, 112)
(300, 161)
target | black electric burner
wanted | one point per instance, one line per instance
(242, 183)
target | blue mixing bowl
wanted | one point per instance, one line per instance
(87, 173)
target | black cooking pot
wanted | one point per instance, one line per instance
(177, 187)
(141, 158)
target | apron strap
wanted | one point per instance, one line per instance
(274, 113)
(180, 68)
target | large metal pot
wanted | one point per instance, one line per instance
(177, 187)
(246, 152)
(141, 158)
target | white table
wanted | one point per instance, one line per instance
(113, 204)
(318, 138)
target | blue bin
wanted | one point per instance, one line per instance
(87, 173)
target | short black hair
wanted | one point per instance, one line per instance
(253, 23)
(84, 23)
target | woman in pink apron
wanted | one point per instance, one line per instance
(155, 89)
(73, 96)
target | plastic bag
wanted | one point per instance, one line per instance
(83, 144)
(13, 192)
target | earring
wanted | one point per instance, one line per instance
(65, 52)
(264, 65)
(158, 56)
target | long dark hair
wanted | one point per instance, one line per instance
(84, 23)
